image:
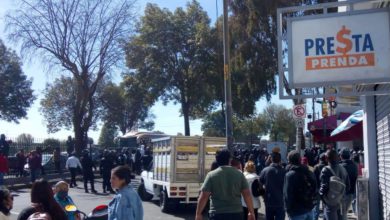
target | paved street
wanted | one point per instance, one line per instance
(86, 202)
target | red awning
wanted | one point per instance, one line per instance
(355, 132)
(316, 128)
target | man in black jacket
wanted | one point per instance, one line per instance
(332, 212)
(299, 189)
(106, 165)
(87, 164)
(272, 177)
(323, 162)
(352, 171)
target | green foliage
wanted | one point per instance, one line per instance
(58, 105)
(279, 123)
(107, 135)
(51, 142)
(174, 52)
(127, 105)
(245, 129)
(26, 139)
(16, 95)
(276, 121)
(214, 124)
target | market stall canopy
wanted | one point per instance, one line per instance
(316, 128)
(350, 129)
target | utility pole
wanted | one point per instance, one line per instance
(227, 78)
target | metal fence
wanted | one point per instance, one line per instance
(33, 144)
(28, 145)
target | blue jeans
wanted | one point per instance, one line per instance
(274, 213)
(332, 213)
(354, 204)
(316, 210)
(306, 216)
(1, 179)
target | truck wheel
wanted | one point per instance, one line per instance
(145, 196)
(166, 204)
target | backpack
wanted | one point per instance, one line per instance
(336, 190)
(308, 190)
(257, 188)
(40, 216)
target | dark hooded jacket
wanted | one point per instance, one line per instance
(326, 173)
(352, 171)
(295, 192)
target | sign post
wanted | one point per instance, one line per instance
(299, 114)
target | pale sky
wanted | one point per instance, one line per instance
(167, 119)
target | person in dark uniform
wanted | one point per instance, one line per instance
(138, 162)
(4, 145)
(69, 145)
(88, 165)
(106, 165)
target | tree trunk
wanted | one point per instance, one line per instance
(186, 114)
(81, 123)
(79, 135)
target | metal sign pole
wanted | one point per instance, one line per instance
(227, 80)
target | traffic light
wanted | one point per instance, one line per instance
(324, 109)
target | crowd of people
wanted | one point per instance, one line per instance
(50, 202)
(235, 186)
(136, 159)
(297, 188)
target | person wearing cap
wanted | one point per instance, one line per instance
(6, 203)
(63, 199)
(272, 178)
(352, 170)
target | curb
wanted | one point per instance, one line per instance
(52, 179)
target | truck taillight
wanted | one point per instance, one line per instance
(182, 188)
(173, 188)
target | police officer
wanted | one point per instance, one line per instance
(106, 164)
(87, 164)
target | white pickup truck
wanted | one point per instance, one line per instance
(178, 169)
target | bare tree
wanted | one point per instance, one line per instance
(83, 37)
